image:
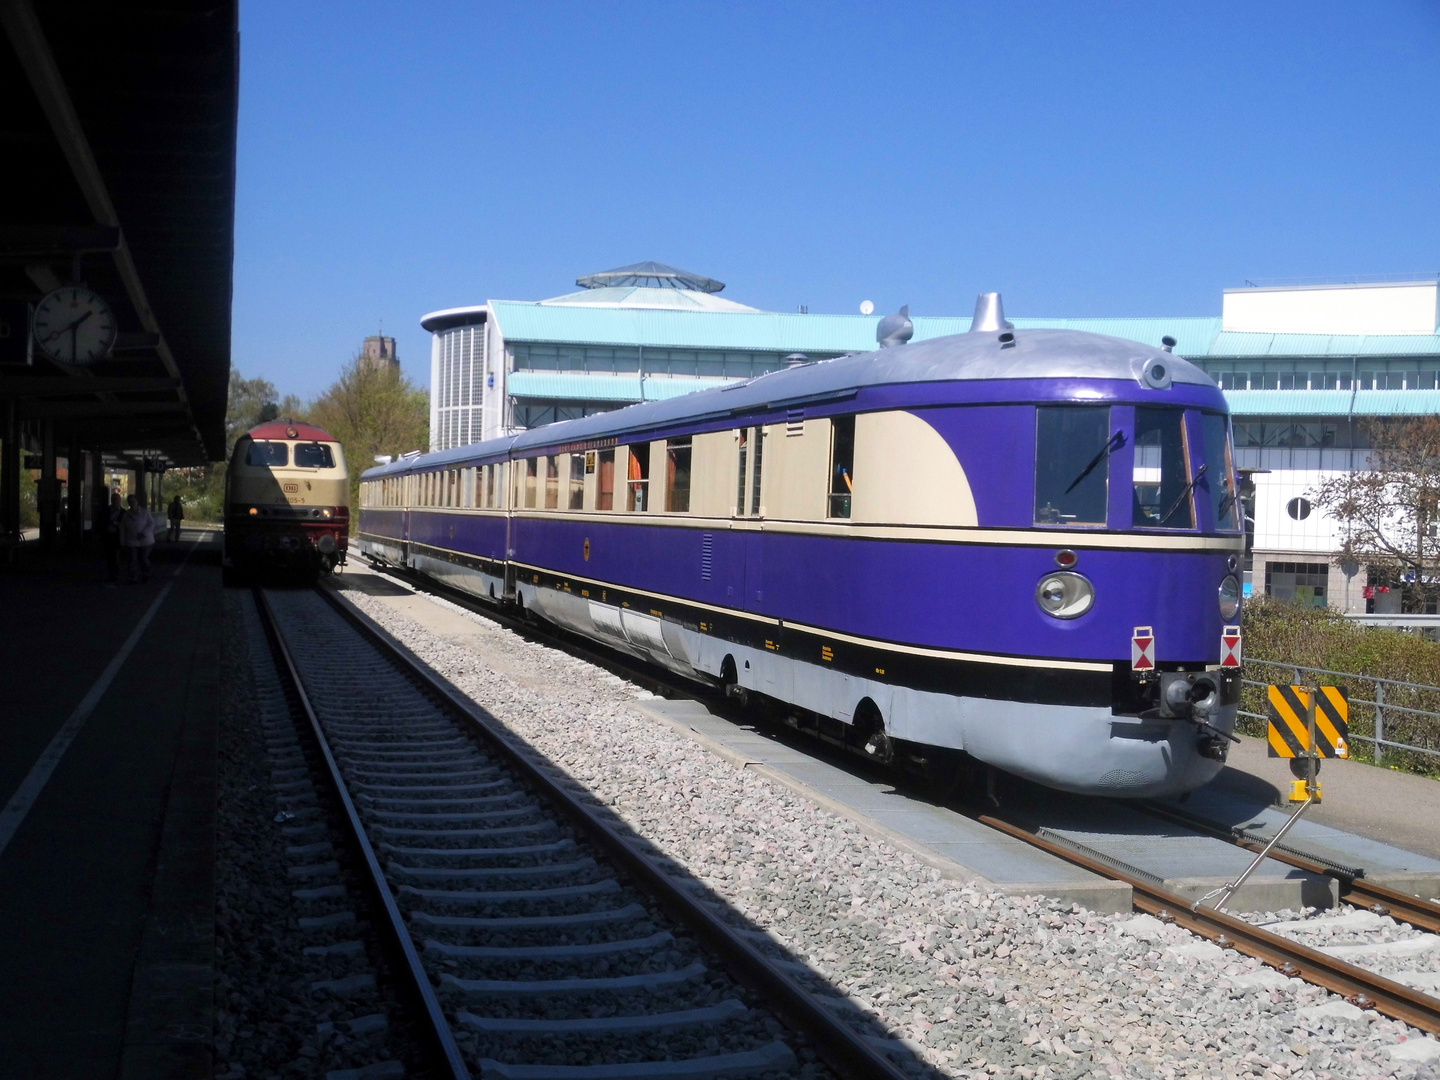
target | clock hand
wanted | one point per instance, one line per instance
(70, 327)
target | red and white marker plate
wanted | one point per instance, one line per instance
(1142, 649)
(1230, 647)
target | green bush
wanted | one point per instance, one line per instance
(1290, 634)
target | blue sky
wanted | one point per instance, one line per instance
(1085, 159)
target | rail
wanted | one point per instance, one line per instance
(847, 1052)
(1361, 988)
(1385, 708)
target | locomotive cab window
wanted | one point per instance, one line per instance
(1219, 477)
(1073, 444)
(268, 455)
(1163, 484)
(313, 456)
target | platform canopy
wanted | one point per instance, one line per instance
(118, 123)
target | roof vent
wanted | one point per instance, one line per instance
(989, 314)
(895, 329)
(1168, 343)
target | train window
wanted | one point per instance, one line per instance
(490, 473)
(1163, 484)
(313, 455)
(269, 455)
(744, 461)
(759, 454)
(637, 490)
(677, 476)
(532, 473)
(1073, 444)
(605, 481)
(577, 482)
(1219, 478)
(552, 483)
(842, 466)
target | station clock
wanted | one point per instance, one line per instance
(74, 325)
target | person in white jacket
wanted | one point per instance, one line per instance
(137, 533)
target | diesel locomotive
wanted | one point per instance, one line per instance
(1023, 545)
(287, 501)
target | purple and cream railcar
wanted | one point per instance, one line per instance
(953, 544)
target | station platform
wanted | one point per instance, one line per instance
(107, 813)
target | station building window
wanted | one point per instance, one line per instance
(1073, 444)
(677, 476)
(842, 466)
(637, 488)
(1301, 583)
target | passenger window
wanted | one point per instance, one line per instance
(638, 489)
(531, 466)
(744, 461)
(313, 456)
(577, 482)
(677, 476)
(1162, 474)
(842, 465)
(605, 487)
(552, 483)
(759, 452)
(1219, 476)
(268, 455)
(1073, 444)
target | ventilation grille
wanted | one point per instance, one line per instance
(794, 422)
(707, 555)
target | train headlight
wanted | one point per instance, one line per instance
(326, 512)
(1229, 598)
(1065, 595)
(254, 511)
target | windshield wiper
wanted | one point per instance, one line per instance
(1184, 492)
(1116, 442)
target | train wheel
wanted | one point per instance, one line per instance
(730, 683)
(869, 733)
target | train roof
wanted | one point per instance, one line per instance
(971, 357)
(290, 429)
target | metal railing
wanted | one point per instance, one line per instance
(1394, 706)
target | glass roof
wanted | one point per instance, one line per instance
(650, 275)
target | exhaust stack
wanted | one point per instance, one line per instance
(989, 314)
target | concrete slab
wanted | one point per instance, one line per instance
(106, 902)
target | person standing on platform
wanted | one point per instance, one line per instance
(113, 513)
(177, 515)
(137, 530)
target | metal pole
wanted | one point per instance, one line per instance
(1379, 721)
(1229, 890)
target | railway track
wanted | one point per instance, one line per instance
(539, 940)
(1361, 987)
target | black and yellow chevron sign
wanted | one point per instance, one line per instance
(1290, 730)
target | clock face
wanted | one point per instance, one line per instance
(74, 325)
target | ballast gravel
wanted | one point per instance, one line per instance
(975, 983)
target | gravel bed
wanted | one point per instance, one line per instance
(975, 983)
(273, 839)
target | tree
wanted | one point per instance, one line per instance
(1390, 510)
(372, 410)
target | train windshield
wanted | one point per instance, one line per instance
(1219, 478)
(1163, 484)
(1073, 444)
(268, 455)
(313, 456)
